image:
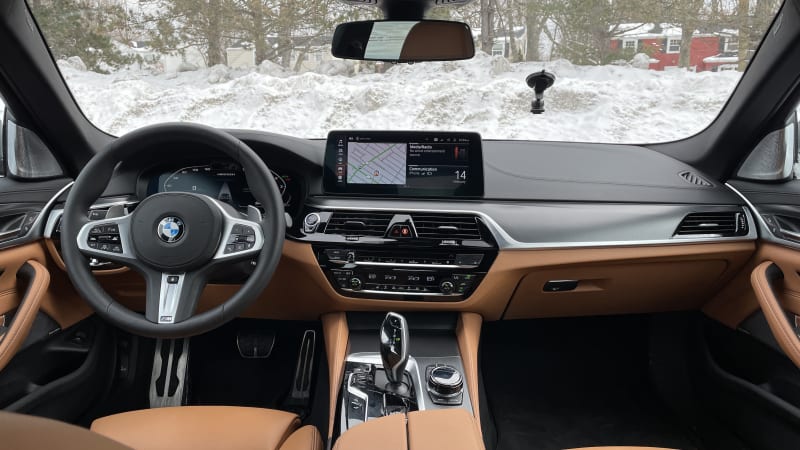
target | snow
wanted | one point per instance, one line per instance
(721, 59)
(615, 104)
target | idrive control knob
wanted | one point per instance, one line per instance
(445, 383)
(355, 283)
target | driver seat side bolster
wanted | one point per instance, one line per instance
(208, 427)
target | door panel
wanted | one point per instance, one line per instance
(53, 360)
(752, 364)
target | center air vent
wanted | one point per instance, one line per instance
(358, 223)
(446, 226)
(729, 223)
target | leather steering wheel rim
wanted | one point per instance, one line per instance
(94, 178)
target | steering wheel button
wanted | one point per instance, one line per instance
(249, 231)
(250, 245)
(116, 248)
(239, 246)
(173, 279)
(93, 244)
(229, 248)
(96, 230)
(237, 229)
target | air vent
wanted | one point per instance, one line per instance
(358, 223)
(445, 226)
(713, 223)
(693, 178)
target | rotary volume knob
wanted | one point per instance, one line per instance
(445, 382)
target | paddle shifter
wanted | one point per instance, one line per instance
(394, 351)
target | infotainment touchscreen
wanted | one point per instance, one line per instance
(404, 163)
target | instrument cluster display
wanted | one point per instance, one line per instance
(225, 182)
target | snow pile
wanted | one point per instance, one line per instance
(587, 103)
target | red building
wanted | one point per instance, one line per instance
(662, 42)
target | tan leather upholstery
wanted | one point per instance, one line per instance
(306, 438)
(204, 427)
(468, 334)
(21, 432)
(334, 325)
(443, 429)
(12, 340)
(386, 433)
(774, 312)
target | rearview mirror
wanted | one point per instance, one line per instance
(403, 40)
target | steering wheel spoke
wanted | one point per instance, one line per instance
(172, 297)
(241, 238)
(108, 240)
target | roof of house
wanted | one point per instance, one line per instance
(659, 31)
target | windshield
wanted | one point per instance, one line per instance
(628, 71)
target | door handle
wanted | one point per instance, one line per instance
(37, 278)
(762, 279)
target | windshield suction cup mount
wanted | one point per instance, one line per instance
(539, 82)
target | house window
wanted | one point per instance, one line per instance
(499, 49)
(673, 45)
(629, 44)
(731, 45)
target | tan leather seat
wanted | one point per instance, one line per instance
(209, 427)
(22, 432)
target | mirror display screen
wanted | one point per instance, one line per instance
(404, 163)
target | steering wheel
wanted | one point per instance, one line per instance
(174, 239)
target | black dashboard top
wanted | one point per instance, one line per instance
(514, 171)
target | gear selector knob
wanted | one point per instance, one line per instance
(394, 350)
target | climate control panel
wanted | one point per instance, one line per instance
(404, 274)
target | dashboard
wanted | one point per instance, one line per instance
(422, 224)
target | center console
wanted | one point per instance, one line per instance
(394, 369)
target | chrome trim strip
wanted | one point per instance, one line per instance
(506, 242)
(752, 208)
(418, 294)
(413, 266)
(767, 233)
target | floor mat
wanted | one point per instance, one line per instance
(565, 383)
(220, 376)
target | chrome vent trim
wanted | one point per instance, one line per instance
(724, 224)
(358, 223)
(447, 226)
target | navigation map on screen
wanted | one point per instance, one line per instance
(376, 163)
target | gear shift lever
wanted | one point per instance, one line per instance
(394, 351)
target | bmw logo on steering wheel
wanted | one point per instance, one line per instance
(170, 229)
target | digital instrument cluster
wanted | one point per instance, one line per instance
(224, 181)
